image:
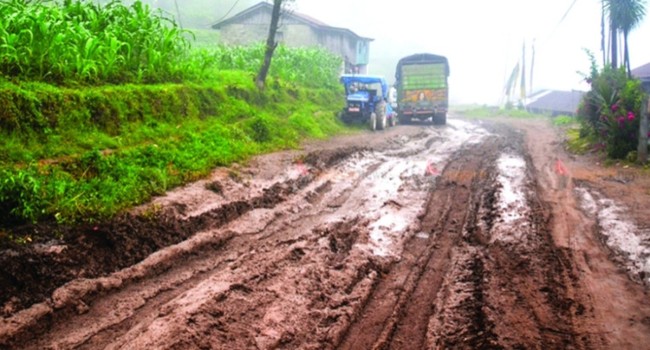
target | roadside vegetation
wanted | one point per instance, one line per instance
(496, 112)
(102, 107)
(610, 112)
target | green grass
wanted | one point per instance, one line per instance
(103, 107)
(565, 121)
(495, 112)
(577, 143)
(99, 168)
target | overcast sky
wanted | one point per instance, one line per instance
(482, 39)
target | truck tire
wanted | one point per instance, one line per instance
(373, 121)
(440, 119)
(380, 111)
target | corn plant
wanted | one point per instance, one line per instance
(306, 66)
(82, 41)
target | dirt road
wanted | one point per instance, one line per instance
(473, 235)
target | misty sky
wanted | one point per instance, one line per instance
(482, 39)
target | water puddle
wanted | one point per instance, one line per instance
(511, 205)
(621, 235)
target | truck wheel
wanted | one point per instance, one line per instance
(380, 111)
(373, 121)
(440, 119)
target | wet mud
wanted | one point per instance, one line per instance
(420, 237)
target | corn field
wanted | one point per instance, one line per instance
(307, 66)
(74, 41)
(85, 42)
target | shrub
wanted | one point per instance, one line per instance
(611, 108)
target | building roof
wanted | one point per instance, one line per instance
(556, 102)
(308, 20)
(642, 72)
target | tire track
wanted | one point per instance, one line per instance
(397, 312)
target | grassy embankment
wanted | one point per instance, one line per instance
(103, 107)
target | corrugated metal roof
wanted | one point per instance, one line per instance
(642, 71)
(264, 6)
(556, 102)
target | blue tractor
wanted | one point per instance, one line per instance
(367, 101)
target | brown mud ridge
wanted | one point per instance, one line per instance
(427, 237)
(31, 273)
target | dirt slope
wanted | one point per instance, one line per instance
(474, 235)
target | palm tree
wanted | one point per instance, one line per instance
(624, 15)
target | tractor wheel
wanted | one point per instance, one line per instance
(373, 121)
(380, 111)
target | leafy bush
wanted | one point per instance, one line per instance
(611, 108)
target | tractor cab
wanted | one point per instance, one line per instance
(367, 101)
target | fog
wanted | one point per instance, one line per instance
(482, 39)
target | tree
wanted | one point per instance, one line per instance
(602, 31)
(624, 15)
(271, 44)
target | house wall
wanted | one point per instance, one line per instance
(243, 34)
(298, 35)
(339, 44)
(254, 29)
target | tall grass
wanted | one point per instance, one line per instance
(313, 67)
(72, 152)
(77, 41)
(107, 148)
(85, 42)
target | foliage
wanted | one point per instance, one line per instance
(624, 15)
(81, 136)
(564, 120)
(84, 169)
(610, 110)
(82, 41)
(577, 143)
(312, 67)
(494, 112)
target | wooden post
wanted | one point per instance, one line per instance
(642, 150)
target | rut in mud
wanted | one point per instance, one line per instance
(479, 270)
(437, 237)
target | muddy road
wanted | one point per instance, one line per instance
(473, 235)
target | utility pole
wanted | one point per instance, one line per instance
(532, 68)
(522, 87)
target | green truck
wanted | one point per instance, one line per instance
(422, 88)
